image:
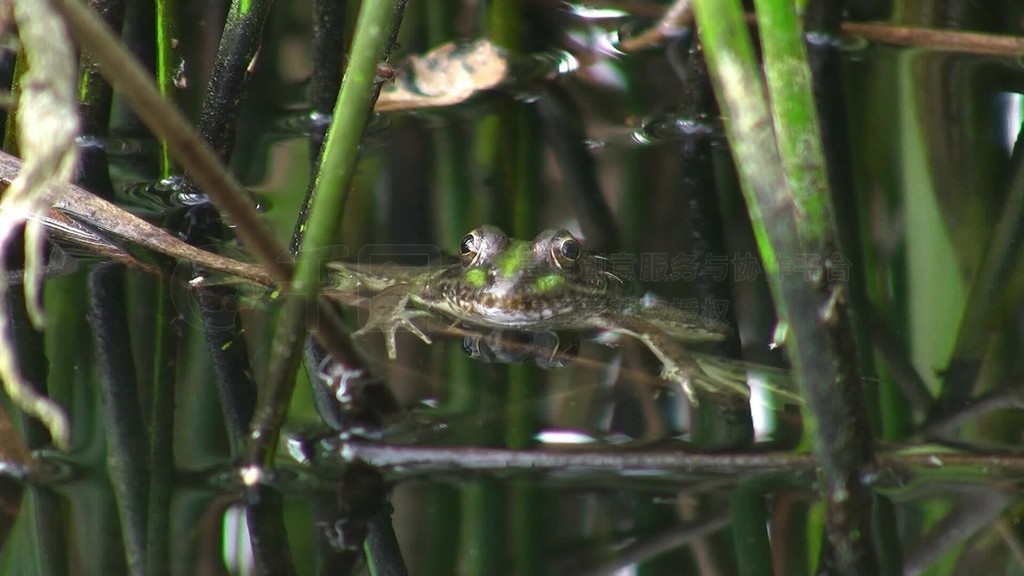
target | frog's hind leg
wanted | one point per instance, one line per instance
(389, 311)
(678, 365)
(681, 367)
(685, 325)
(734, 373)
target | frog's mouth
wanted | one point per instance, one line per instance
(497, 311)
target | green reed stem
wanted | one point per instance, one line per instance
(796, 121)
(376, 29)
(166, 69)
(782, 176)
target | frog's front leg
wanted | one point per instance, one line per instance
(389, 311)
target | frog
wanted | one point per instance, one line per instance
(550, 283)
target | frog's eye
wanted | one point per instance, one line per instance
(471, 347)
(480, 245)
(469, 246)
(571, 249)
(565, 249)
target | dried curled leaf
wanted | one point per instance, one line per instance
(447, 75)
(48, 123)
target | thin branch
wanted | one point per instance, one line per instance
(976, 509)
(929, 38)
(892, 468)
(1009, 535)
(499, 460)
(678, 16)
(897, 360)
(939, 40)
(1010, 396)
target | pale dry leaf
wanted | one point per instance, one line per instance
(100, 214)
(447, 75)
(47, 117)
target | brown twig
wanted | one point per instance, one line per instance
(677, 17)
(977, 43)
(893, 467)
(102, 214)
(499, 460)
(942, 40)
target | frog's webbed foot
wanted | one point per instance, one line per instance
(692, 375)
(388, 312)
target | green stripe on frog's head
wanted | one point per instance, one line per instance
(515, 258)
(549, 282)
(476, 277)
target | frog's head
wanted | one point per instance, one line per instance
(505, 267)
